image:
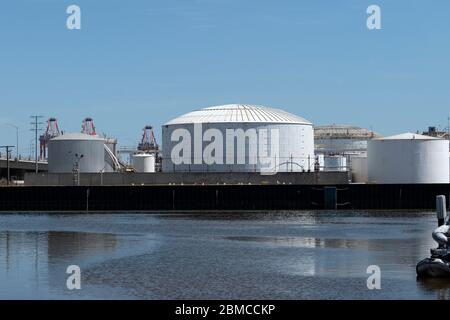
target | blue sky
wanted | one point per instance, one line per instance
(144, 62)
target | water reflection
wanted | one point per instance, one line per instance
(343, 257)
(441, 286)
(33, 262)
(281, 255)
(23, 260)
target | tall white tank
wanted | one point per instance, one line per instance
(408, 158)
(144, 162)
(65, 150)
(238, 138)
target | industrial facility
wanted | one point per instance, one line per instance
(146, 158)
(238, 138)
(83, 152)
(237, 144)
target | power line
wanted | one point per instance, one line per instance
(36, 129)
(7, 163)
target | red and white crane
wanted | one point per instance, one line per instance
(51, 132)
(148, 141)
(88, 127)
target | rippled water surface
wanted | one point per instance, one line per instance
(303, 255)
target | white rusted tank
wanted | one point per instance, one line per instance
(408, 158)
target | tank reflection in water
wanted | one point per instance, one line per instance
(303, 255)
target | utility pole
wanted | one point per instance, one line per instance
(7, 163)
(36, 129)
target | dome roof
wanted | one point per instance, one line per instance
(239, 113)
(410, 136)
(343, 132)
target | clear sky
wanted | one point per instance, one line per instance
(144, 62)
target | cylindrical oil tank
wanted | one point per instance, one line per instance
(358, 166)
(66, 150)
(408, 158)
(342, 139)
(144, 162)
(238, 138)
(335, 163)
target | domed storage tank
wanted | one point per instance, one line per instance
(144, 162)
(238, 138)
(64, 150)
(408, 158)
(342, 139)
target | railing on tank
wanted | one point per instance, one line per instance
(283, 164)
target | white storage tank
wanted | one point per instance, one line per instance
(342, 139)
(238, 138)
(408, 158)
(358, 166)
(335, 163)
(65, 150)
(144, 162)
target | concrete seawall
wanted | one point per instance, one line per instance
(218, 197)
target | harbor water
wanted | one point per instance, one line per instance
(266, 255)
